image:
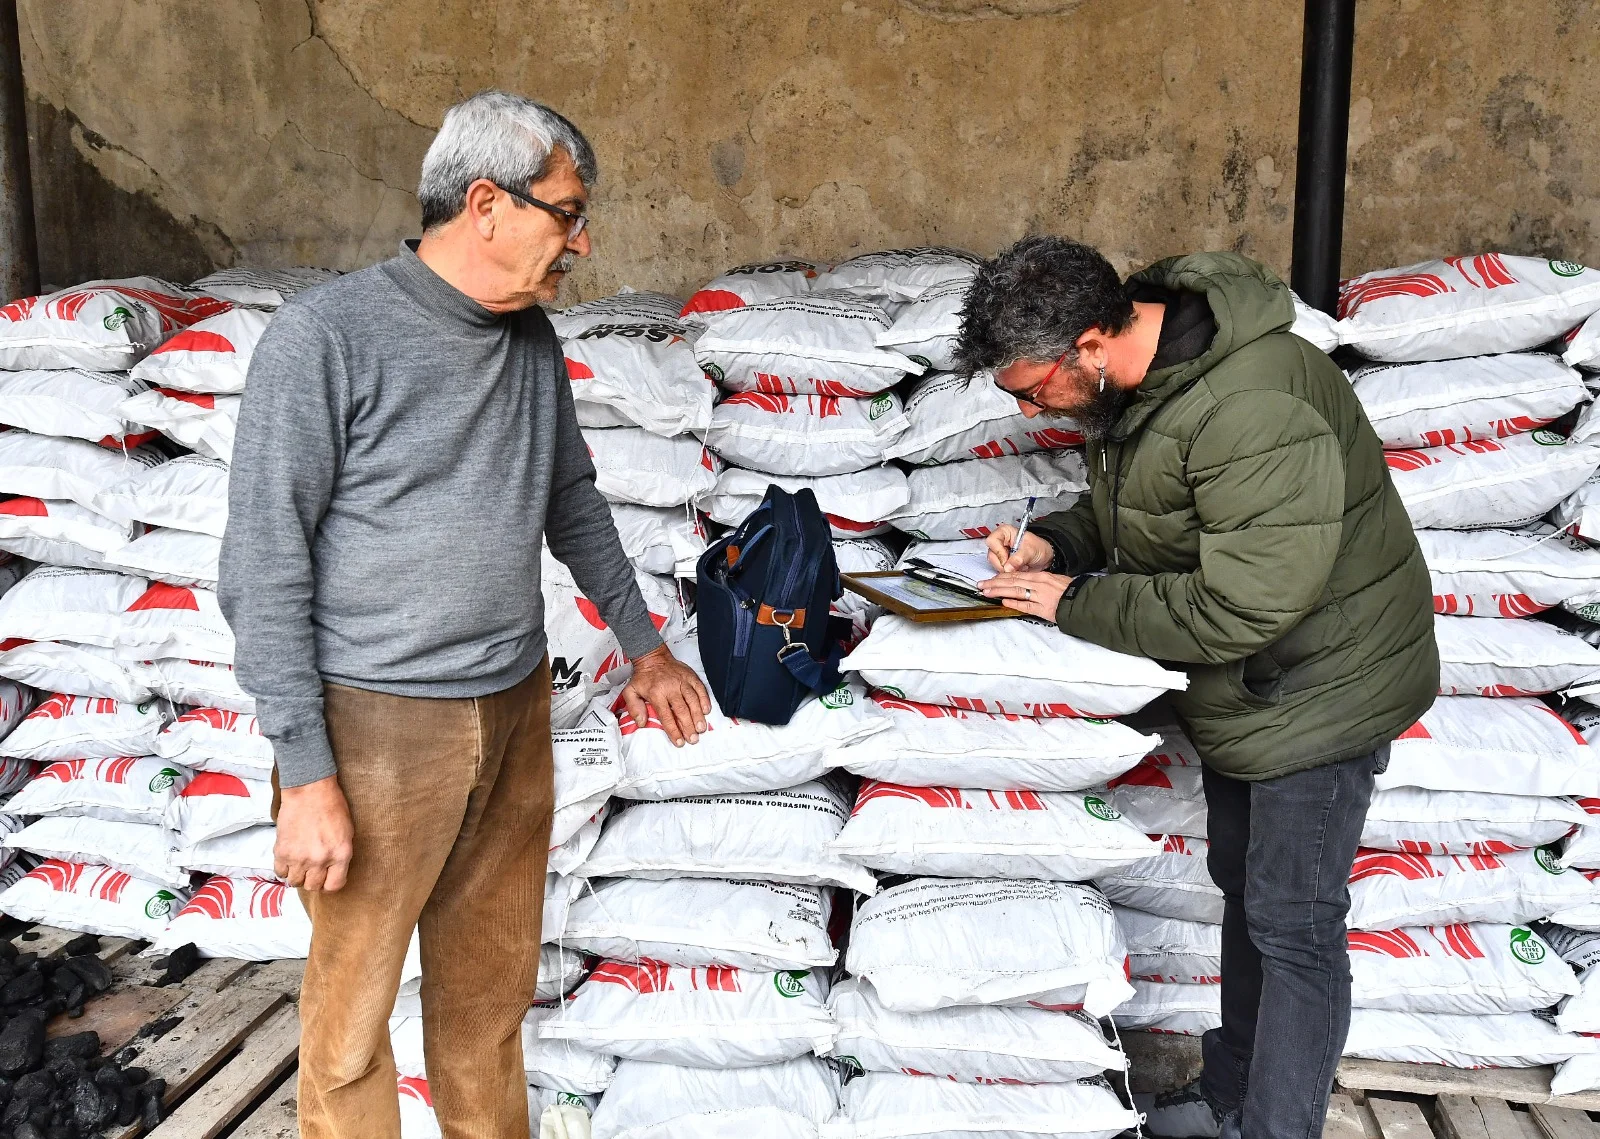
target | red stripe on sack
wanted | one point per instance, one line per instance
(214, 900)
(160, 595)
(215, 783)
(1143, 775)
(199, 399)
(928, 796)
(1383, 863)
(25, 507)
(712, 300)
(196, 340)
(577, 371)
(1389, 943)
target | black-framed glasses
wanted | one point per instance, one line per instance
(1028, 397)
(575, 222)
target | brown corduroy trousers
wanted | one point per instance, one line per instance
(452, 802)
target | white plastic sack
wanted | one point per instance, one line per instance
(761, 926)
(92, 899)
(1161, 800)
(1390, 890)
(129, 789)
(198, 682)
(963, 833)
(1507, 573)
(74, 404)
(558, 1064)
(860, 555)
(58, 603)
(754, 283)
(1315, 325)
(968, 500)
(212, 739)
(176, 557)
(953, 418)
(633, 465)
(1465, 970)
(925, 328)
(173, 621)
(186, 493)
(715, 1017)
(568, 856)
(1492, 745)
(901, 273)
(61, 533)
(941, 746)
(1171, 949)
(242, 854)
(200, 421)
(1010, 667)
(245, 284)
(1585, 914)
(971, 1044)
(1494, 482)
(587, 760)
(930, 943)
(857, 505)
(1464, 306)
(104, 326)
(740, 755)
(660, 540)
(630, 366)
(666, 1101)
(1582, 345)
(143, 850)
(809, 435)
(1579, 512)
(1508, 658)
(214, 804)
(1506, 1040)
(1439, 402)
(560, 891)
(1174, 884)
(244, 918)
(892, 1105)
(1465, 822)
(82, 670)
(775, 836)
(1182, 1010)
(81, 727)
(42, 466)
(211, 355)
(820, 343)
(584, 652)
(1579, 1074)
(1175, 748)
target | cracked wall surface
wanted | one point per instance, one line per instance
(170, 137)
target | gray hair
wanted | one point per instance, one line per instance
(499, 136)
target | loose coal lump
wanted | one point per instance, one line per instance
(62, 1087)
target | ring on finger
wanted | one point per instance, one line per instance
(1027, 593)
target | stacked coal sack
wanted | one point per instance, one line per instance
(1169, 908)
(122, 397)
(643, 405)
(977, 813)
(1490, 443)
(707, 908)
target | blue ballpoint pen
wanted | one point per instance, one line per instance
(1022, 528)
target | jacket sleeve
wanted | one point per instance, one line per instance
(1267, 475)
(286, 454)
(581, 533)
(1075, 536)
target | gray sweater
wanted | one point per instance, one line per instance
(401, 451)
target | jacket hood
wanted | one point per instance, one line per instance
(1248, 301)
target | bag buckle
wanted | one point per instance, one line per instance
(782, 618)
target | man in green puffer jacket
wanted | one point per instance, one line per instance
(1240, 525)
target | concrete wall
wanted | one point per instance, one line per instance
(171, 136)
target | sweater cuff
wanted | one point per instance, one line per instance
(299, 736)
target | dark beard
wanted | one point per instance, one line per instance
(1099, 415)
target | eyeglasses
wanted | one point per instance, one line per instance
(575, 222)
(1028, 396)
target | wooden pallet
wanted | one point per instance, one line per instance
(235, 1042)
(1376, 1100)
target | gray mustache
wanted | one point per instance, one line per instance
(564, 263)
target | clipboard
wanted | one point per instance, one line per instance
(922, 601)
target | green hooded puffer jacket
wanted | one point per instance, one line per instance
(1250, 535)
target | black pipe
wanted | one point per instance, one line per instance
(19, 242)
(1325, 60)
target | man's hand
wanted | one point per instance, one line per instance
(1036, 553)
(673, 690)
(1036, 594)
(316, 838)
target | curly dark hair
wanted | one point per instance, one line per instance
(1034, 300)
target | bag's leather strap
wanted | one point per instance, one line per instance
(785, 618)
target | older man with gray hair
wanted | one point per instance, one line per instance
(406, 445)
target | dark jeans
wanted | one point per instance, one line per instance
(1281, 850)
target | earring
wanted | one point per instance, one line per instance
(1102, 377)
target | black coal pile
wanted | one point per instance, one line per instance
(62, 1088)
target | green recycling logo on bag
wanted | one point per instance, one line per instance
(1101, 809)
(116, 318)
(840, 697)
(1545, 856)
(160, 904)
(163, 779)
(790, 982)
